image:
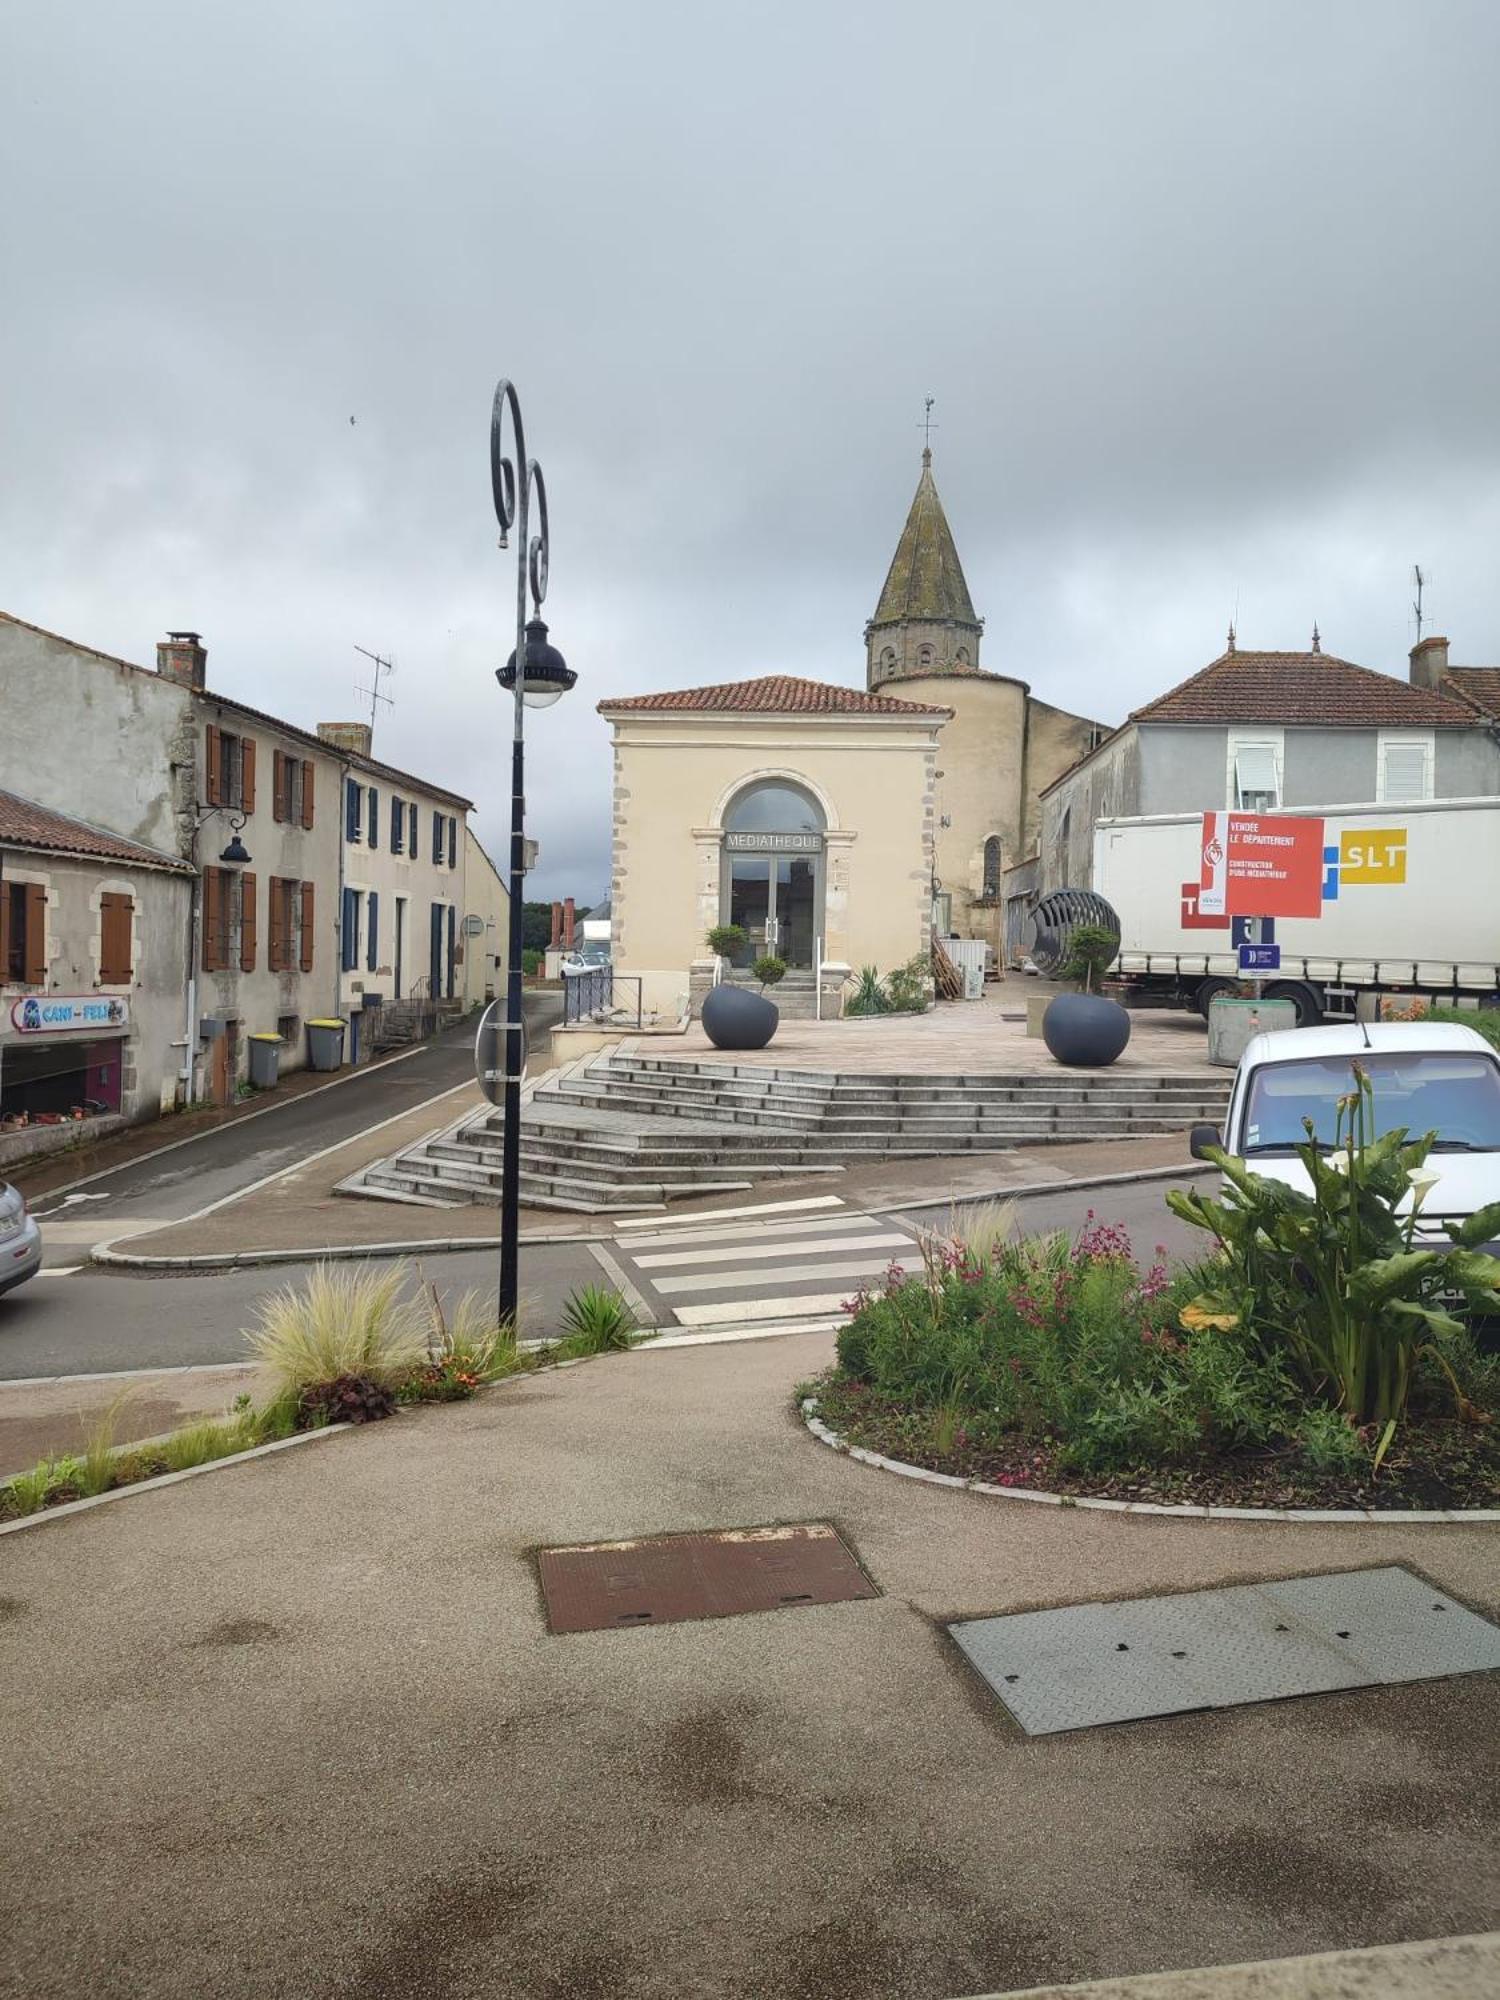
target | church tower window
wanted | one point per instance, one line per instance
(992, 853)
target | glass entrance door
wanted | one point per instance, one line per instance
(796, 885)
(749, 899)
(773, 899)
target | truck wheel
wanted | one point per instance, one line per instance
(1306, 999)
(1209, 991)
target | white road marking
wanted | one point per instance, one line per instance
(772, 1332)
(862, 1267)
(59, 1270)
(727, 1254)
(757, 1208)
(728, 1311)
(752, 1232)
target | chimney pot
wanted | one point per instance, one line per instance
(1429, 663)
(181, 657)
(354, 737)
(567, 923)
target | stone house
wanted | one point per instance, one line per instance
(93, 960)
(1254, 730)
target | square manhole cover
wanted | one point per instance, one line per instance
(1094, 1663)
(661, 1580)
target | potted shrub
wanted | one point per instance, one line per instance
(726, 942)
(735, 1018)
(1085, 1030)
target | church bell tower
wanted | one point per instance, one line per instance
(924, 622)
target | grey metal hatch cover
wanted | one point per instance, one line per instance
(1088, 1664)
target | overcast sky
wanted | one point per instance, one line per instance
(1208, 296)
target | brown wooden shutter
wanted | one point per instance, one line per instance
(307, 792)
(36, 934)
(307, 926)
(213, 918)
(115, 942)
(4, 928)
(278, 786)
(247, 922)
(247, 774)
(280, 912)
(213, 783)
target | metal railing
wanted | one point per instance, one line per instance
(590, 995)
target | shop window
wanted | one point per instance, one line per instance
(23, 933)
(116, 939)
(59, 1083)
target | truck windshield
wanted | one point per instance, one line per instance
(1453, 1094)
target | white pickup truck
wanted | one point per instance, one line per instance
(1426, 1077)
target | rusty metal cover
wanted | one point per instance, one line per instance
(601, 1586)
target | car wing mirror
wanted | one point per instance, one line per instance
(1201, 1137)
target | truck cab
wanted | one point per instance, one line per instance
(1426, 1077)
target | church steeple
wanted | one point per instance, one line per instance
(925, 621)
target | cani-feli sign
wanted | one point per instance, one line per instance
(69, 1014)
(773, 843)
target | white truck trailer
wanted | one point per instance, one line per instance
(1410, 905)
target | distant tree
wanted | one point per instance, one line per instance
(536, 926)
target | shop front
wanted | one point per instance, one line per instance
(62, 1064)
(771, 874)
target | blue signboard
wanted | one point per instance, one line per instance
(1260, 958)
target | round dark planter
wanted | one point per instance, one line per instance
(735, 1018)
(1084, 1030)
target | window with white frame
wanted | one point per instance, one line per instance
(1406, 767)
(1255, 765)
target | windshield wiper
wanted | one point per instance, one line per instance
(1284, 1147)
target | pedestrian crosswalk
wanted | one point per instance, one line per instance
(769, 1267)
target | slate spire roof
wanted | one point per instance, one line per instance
(926, 578)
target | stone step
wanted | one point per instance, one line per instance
(572, 1165)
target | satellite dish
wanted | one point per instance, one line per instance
(489, 1052)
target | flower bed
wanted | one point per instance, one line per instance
(1058, 1363)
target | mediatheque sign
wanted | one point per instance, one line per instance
(69, 1014)
(774, 843)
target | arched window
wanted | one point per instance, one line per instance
(888, 657)
(992, 865)
(774, 807)
(961, 657)
(924, 656)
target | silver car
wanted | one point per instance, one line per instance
(20, 1240)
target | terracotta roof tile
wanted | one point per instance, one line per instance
(1479, 686)
(1305, 688)
(25, 824)
(774, 694)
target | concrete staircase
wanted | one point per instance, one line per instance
(622, 1131)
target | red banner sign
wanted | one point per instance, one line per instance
(1193, 918)
(1257, 865)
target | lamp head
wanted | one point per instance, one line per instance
(547, 675)
(236, 853)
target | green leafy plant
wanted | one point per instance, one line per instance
(346, 1320)
(770, 970)
(466, 1347)
(910, 986)
(532, 961)
(596, 1320)
(1483, 1020)
(1091, 952)
(869, 996)
(726, 940)
(1334, 1283)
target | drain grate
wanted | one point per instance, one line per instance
(1089, 1664)
(603, 1586)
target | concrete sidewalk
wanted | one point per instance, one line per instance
(297, 1728)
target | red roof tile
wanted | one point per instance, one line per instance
(1306, 688)
(1479, 686)
(24, 824)
(774, 694)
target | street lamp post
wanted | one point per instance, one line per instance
(536, 675)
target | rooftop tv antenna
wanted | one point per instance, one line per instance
(382, 666)
(1419, 580)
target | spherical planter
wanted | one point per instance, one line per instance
(1084, 1030)
(735, 1018)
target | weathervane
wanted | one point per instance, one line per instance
(928, 427)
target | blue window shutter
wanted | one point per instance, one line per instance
(452, 943)
(411, 829)
(435, 954)
(372, 925)
(398, 841)
(374, 817)
(353, 800)
(349, 931)
(437, 838)
(452, 843)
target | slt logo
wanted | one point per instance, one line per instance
(1370, 855)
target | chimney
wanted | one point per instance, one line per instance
(1429, 663)
(556, 925)
(355, 737)
(181, 657)
(568, 924)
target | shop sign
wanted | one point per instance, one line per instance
(69, 1014)
(1260, 865)
(774, 843)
